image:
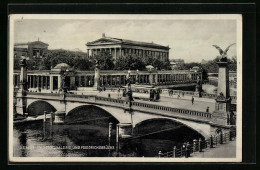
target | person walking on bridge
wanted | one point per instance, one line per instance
(192, 100)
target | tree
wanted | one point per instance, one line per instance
(105, 60)
(130, 61)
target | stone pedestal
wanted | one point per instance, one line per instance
(20, 103)
(223, 79)
(20, 96)
(124, 130)
(222, 112)
(59, 117)
(97, 78)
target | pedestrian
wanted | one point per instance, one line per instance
(118, 93)
(188, 149)
(183, 149)
(207, 110)
(183, 94)
(192, 100)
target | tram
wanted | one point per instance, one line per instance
(142, 92)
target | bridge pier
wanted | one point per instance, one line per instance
(59, 117)
(21, 94)
(124, 130)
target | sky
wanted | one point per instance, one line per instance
(190, 40)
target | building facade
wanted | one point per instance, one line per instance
(30, 49)
(122, 47)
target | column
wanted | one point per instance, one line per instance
(120, 52)
(72, 82)
(38, 81)
(46, 83)
(115, 54)
(51, 83)
(30, 83)
(59, 81)
(41, 82)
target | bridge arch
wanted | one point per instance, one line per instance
(38, 107)
(88, 113)
(158, 124)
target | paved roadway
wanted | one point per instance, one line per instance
(227, 150)
(200, 104)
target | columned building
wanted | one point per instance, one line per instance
(122, 47)
(33, 49)
(51, 80)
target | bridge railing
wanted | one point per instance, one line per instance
(43, 94)
(171, 109)
(135, 104)
(198, 145)
(191, 93)
(118, 101)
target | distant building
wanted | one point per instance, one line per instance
(195, 69)
(122, 47)
(175, 62)
(30, 49)
(204, 61)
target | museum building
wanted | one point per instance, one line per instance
(122, 47)
(33, 49)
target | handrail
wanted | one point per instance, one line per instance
(198, 145)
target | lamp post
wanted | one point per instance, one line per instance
(129, 80)
(64, 74)
(130, 97)
(137, 77)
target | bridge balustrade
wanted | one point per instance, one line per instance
(191, 93)
(123, 103)
(170, 109)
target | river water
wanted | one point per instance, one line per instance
(39, 139)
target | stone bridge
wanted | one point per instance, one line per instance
(131, 117)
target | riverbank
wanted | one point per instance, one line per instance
(227, 150)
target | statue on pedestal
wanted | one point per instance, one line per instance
(223, 113)
(223, 54)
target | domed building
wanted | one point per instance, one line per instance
(61, 67)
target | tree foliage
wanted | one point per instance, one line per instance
(105, 60)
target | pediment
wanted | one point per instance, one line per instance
(103, 41)
(38, 44)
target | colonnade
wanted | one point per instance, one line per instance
(116, 52)
(80, 79)
(173, 78)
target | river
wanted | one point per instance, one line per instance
(39, 139)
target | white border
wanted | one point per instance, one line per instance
(236, 17)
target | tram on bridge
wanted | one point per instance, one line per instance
(145, 92)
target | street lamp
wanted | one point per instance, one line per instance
(130, 97)
(64, 74)
(137, 77)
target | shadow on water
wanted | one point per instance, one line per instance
(68, 140)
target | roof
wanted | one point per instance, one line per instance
(110, 40)
(32, 43)
(61, 66)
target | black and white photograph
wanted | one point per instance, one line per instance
(125, 88)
